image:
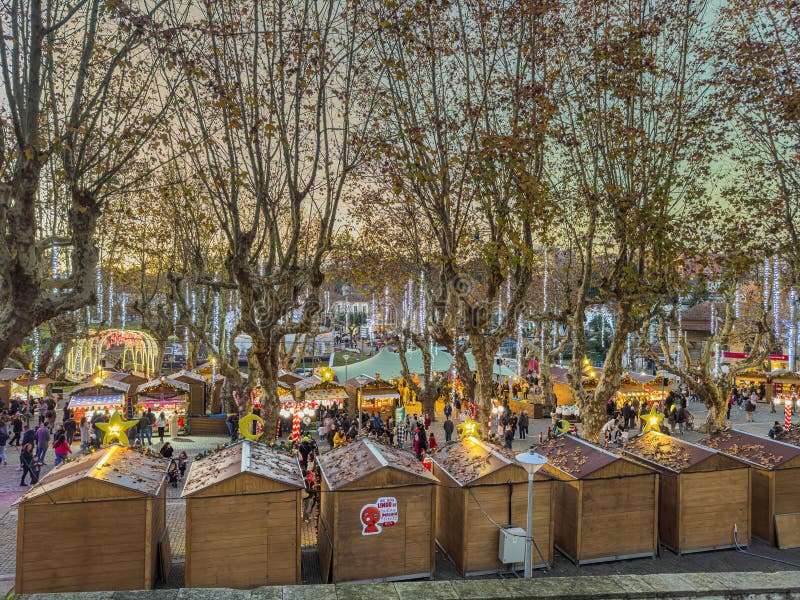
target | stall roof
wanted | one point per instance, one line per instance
(168, 381)
(754, 449)
(791, 436)
(668, 452)
(109, 383)
(352, 462)
(243, 457)
(25, 380)
(307, 383)
(113, 464)
(189, 375)
(575, 457)
(471, 459)
(10, 374)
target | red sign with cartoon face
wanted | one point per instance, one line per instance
(374, 517)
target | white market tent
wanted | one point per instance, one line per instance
(388, 365)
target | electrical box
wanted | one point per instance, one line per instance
(512, 545)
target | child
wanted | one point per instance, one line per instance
(432, 444)
(182, 460)
(172, 474)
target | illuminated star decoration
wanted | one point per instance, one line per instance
(245, 430)
(652, 420)
(115, 429)
(467, 428)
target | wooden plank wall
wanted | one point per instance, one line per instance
(787, 491)
(669, 511)
(404, 549)
(609, 502)
(567, 522)
(81, 547)
(711, 502)
(762, 510)
(787, 528)
(263, 551)
(450, 521)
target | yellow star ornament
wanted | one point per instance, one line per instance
(245, 430)
(116, 429)
(467, 428)
(652, 420)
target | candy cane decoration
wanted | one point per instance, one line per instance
(787, 414)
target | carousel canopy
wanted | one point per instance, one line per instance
(389, 366)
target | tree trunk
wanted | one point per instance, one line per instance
(427, 397)
(546, 382)
(484, 390)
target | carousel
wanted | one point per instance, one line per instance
(127, 349)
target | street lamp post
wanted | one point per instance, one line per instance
(531, 462)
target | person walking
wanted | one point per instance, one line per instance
(448, 430)
(161, 424)
(84, 432)
(750, 407)
(3, 439)
(62, 450)
(523, 425)
(42, 442)
(16, 427)
(145, 430)
(29, 466)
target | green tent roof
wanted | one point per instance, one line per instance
(388, 365)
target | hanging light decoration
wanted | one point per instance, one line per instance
(792, 327)
(186, 343)
(215, 323)
(717, 359)
(123, 311)
(372, 318)
(736, 303)
(713, 319)
(519, 346)
(602, 330)
(99, 286)
(544, 296)
(385, 305)
(410, 303)
(194, 308)
(422, 304)
(766, 283)
(175, 319)
(776, 295)
(110, 300)
(36, 351)
(54, 262)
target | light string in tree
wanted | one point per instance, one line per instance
(792, 327)
(766, 283)
(110, 300)
(99, 287)
(422, 303)
(123, 309)
(519, 346)
(36, 351)
(776, 295)
(386, 305)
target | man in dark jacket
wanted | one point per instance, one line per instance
(448, 430)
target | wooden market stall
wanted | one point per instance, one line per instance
(258, 490)
(476, 477)
(209, 372)
(98, 523)
(318, 392)
(377, 514)
(372, 395)
(34, 388)
(754, 378)
(198, 391)
(785, 386)
(703, 493)
(774, 476)
(167, 395)
(597, 491)
(7, 376)
(87, 399)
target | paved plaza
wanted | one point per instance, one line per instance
(667, 562)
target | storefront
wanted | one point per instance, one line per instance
(168, 396)
(88, 399)
(372, 395)
(785, 386)
(26, 387)
(320, 393)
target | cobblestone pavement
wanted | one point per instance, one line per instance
(720, 561)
